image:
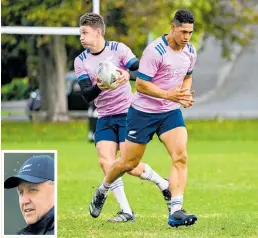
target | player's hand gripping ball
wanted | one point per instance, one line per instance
(107, 74)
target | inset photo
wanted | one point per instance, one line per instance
(30, 192)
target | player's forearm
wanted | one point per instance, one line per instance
(187, 83)
(150, 89)
(133, 70)
(89, 92)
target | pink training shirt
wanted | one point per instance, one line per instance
(165, 68)
(109, 102)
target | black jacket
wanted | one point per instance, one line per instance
(45, 226)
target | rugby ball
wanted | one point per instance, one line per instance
(107, 74)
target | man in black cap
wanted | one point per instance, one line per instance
(35, 187)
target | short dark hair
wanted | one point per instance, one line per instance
(93, 20)
(183, 16)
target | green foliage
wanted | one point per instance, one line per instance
(130, 21)
(228, 21)
(17, 89)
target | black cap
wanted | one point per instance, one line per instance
(36, 169)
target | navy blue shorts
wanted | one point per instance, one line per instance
(141, 126)
(111, 128)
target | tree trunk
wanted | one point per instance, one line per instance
(43, 74)
(32, 64)
(52, 62)
(60, 58)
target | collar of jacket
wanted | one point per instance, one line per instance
(44, 226)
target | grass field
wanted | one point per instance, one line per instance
(222, 187)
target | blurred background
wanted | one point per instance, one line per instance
(37, 65)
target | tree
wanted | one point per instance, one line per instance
(226, 20)
(52, 52)
(51, 49)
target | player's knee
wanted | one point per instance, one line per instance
(105, 163)
(134, 170)
(130, 165)
(180, 157)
